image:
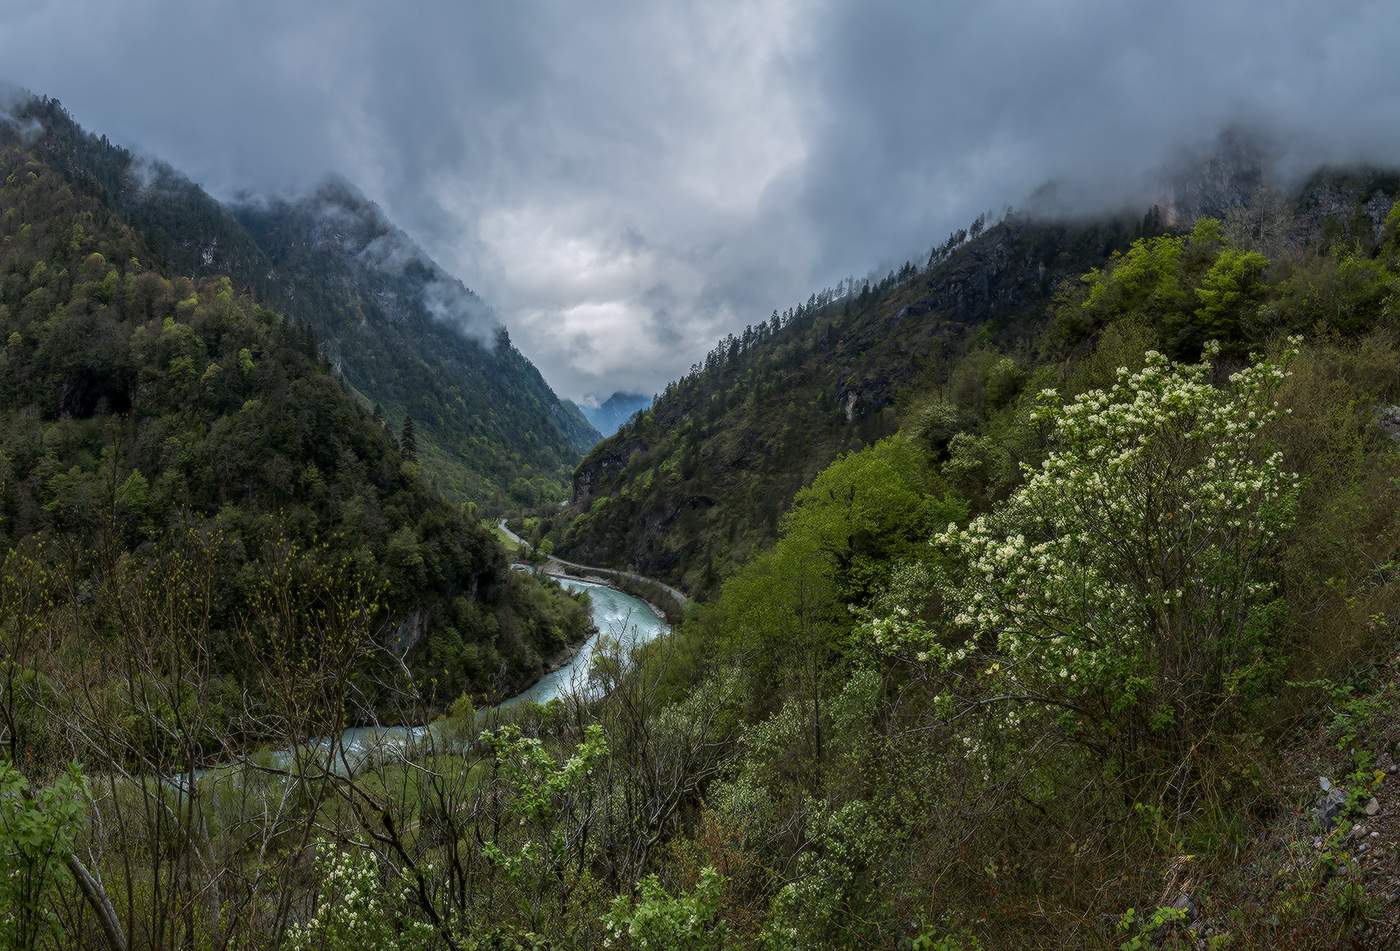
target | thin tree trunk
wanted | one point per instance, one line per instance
(101, 904)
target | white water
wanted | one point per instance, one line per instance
(616, 615)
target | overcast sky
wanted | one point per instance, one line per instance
(626, 182)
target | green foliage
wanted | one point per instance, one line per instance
(357, 910)
(402, 332)
(934, 422)
(1004, 379)
(408, 440)
(1147, 931)
(1145, 283)
(38, 828)
(128, 417)
(866, 513)
(1230, 291)
(836, 881)
(1075, 701)
(655, 920)
(867, 510)
(1345, 294)
(538, 791)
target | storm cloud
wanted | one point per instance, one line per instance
(624, 183)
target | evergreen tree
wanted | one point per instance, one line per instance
(408, 441)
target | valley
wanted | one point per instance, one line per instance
(1038, 588)
(618, 617)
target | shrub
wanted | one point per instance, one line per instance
(1127, 586)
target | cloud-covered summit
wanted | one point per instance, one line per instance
(627, 182)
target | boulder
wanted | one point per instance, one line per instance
(1330, 805)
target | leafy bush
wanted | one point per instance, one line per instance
(1127, 585)
(656, 920)
(38, 828)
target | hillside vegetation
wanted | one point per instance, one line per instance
(141, 414)
(696, 484)
(408, 338)
(1065, 615)
(1049, 593)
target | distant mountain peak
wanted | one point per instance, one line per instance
(608, 416)
(1220, 176)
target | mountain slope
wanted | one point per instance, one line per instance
(416, 341)
(608, 416)
(698, 482)
(144, 414)
(404, 334)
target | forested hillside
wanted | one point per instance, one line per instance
(156, 423)
(418, 342)
(406, 337)
(696, 483)
(1032, 585)
(1053, 602)
(693, 486)
(1098, 648)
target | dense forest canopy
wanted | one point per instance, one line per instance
(139, 410)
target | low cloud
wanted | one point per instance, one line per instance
(627, 183)
(27, 129)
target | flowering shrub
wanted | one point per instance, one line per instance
(356, 911)
(658, 921)
(1126, 586)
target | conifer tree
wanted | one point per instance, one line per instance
(408, 441)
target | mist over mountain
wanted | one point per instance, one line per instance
(1009, 557)
(163, 429)
(406, 336)
(623, 207)
(768, 409)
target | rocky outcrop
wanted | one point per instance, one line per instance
(407, 633)
(1388, 418)
(600, 467)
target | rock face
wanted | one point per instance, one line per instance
(1214, 181)
(408, 633)
(601, 467)
(1388, 418)
(1242, 170)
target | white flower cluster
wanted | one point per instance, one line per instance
(1157, 506)
(356, 911)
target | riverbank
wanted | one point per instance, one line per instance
(619, 617)
(668, 601)
(617, 614)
